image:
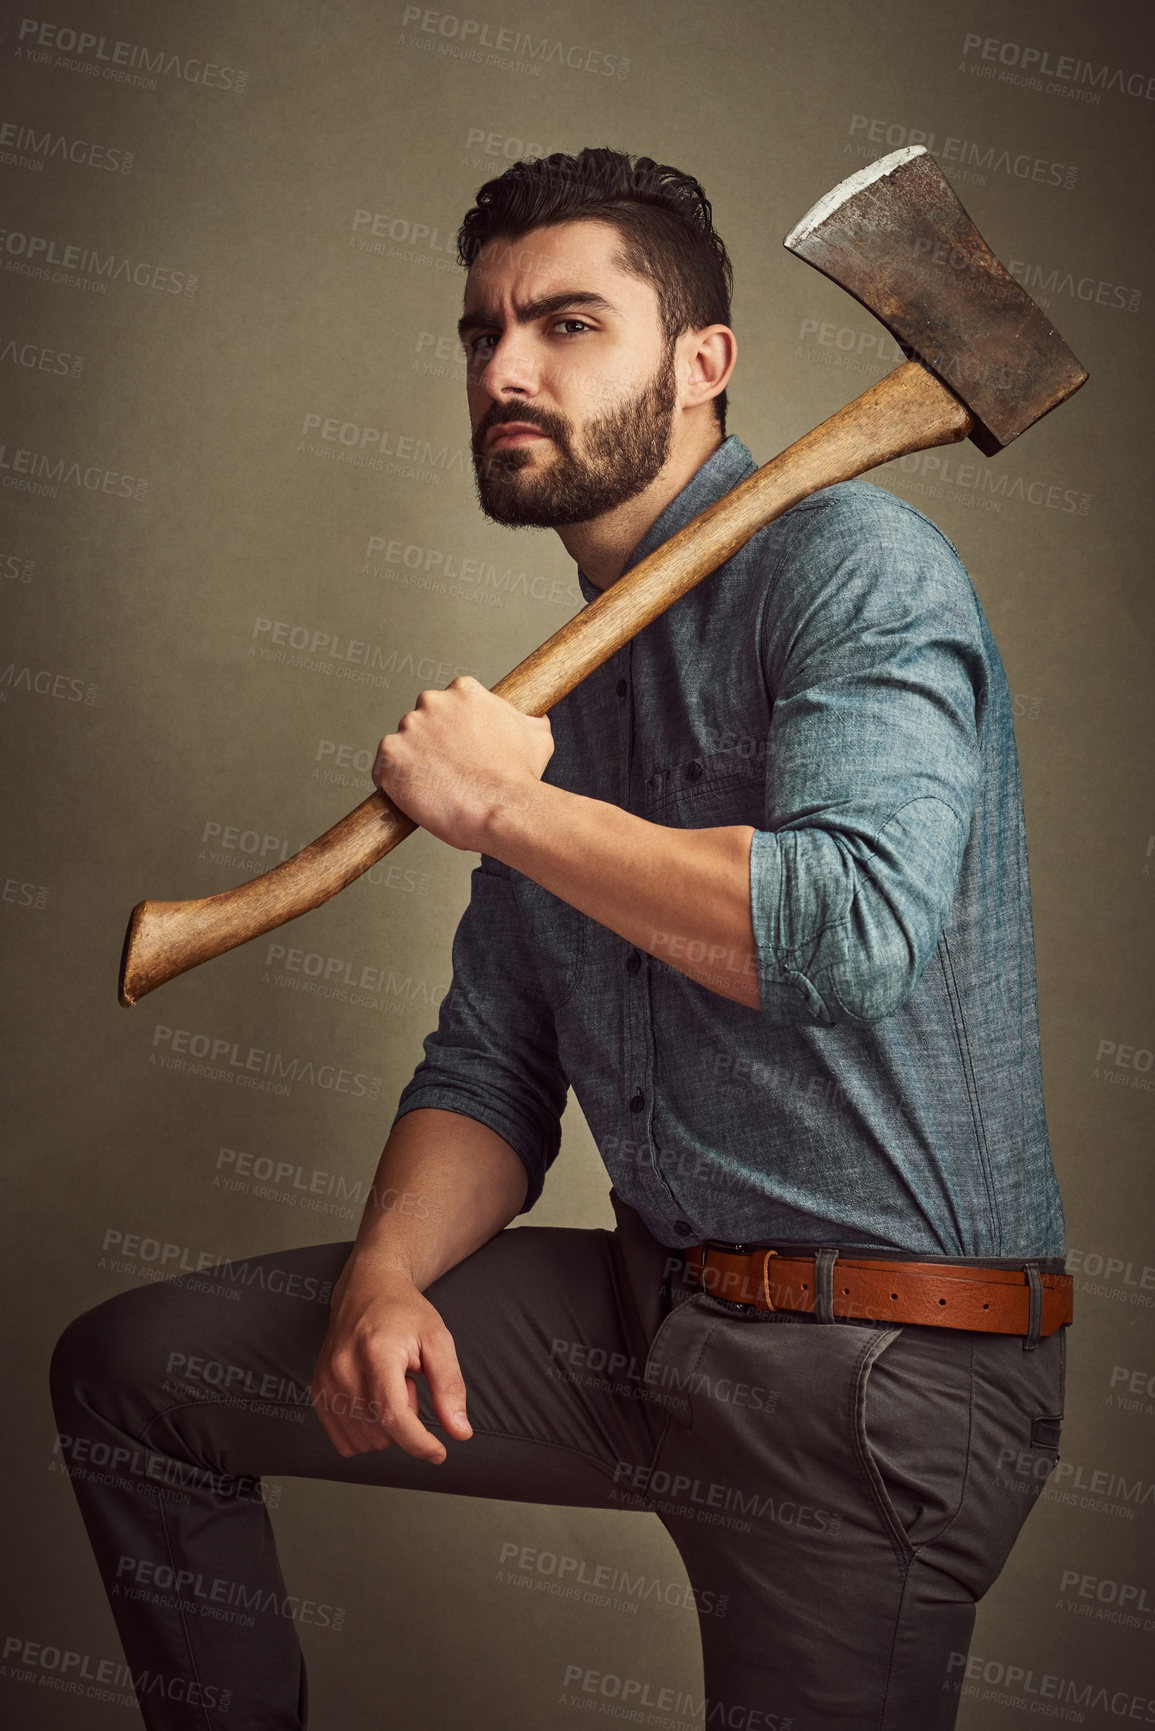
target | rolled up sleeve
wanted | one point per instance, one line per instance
(873, 650)
(493, 1055)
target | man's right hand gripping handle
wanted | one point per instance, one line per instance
(445, 1185)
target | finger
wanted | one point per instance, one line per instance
(393, 1404)
(446, 1383)
(330, 1410)
(345, 1416)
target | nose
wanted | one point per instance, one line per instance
(510, 372)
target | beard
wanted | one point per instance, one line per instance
(622, 451)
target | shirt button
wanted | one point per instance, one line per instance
(692, 770)
(684, 1227)
(621, 688)
(633, 962)
(638, 1101)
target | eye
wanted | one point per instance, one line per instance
(572, 327)
(480, 346)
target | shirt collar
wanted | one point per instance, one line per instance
(721, 471)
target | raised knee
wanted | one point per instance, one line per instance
(101, 1353)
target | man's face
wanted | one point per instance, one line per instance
(572, 385)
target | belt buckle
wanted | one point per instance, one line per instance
(762, 1299)
(708, 1244)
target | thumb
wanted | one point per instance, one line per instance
(446, 1385)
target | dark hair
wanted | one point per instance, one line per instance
(663, 216)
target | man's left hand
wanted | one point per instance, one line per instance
(461, 755)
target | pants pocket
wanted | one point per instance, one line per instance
(913, 1429)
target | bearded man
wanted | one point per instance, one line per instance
(758, 893)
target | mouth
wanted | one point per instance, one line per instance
(513, 434)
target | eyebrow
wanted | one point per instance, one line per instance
(485, 318)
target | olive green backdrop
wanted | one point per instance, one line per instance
(239, 536)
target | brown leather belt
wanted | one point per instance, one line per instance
(933, 1294)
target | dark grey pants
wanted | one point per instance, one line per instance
(850, 1489)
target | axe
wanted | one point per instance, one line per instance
(988, 365)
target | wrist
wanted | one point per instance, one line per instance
(519, 814)
(368, 1276)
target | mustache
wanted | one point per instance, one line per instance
(500, 414)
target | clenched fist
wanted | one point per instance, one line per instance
(461, 756)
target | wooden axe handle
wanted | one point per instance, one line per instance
(909, 410)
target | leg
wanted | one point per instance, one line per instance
(173, 1400)
(847, 1487)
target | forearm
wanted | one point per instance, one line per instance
(682, 895)
(444, 1186)
(467, 766)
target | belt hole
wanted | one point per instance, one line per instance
(846, 1292)
(805, 1288)
(942, 1300)
(986, 1306)
(894, 1295)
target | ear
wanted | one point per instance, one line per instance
(705, 361)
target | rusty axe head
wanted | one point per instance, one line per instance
(895, 236)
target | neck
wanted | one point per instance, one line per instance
(602, 546)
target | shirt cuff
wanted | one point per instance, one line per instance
(533, 1153)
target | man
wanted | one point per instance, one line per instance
(759, 895)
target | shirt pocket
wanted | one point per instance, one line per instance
(711, 789)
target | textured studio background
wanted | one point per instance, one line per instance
(239, 536)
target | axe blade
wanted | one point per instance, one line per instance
(896, 237)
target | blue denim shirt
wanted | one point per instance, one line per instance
(836, 686)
